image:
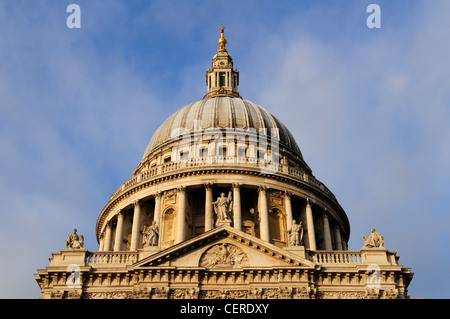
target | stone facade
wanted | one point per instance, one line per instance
(223, 205)
(225, 263)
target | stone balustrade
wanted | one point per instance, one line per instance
(110, 258)
(335, 257)
(167, 168)
(98, 259)
(341, 258)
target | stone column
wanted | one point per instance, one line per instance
(208, 207)
(326, 231)
(344, 244)
(237, 217)
(310, 226)
(107, 243)
(157, 212)
(263, 214)
(119, 232)
(337, 237)
(288, 206)
(305, 226)
(136, 228)
(181, 218)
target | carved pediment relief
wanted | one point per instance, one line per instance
(224, 255)
(224, 247)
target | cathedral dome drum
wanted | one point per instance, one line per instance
(222, 152)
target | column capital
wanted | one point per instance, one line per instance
(181, 189)
(287, 194)
(158, 194)
(236, 185)
(137, 202)
(262, 188)
(208, 185)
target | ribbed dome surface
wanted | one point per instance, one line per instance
(223, 113)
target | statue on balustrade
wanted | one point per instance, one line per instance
(295, 234)
(151, 235)
(374, 240)
(74, 241)
(222, 207)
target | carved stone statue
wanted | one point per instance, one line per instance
(74, 241)
(222, 207)
(295, 234)
(151, 235)
(374, 240)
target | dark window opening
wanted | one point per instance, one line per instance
(221, 79)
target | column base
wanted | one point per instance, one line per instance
(148, 251)
(226, 222)
(68, 257)
(298, 250)
(378, 256)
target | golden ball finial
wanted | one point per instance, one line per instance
(222, 41)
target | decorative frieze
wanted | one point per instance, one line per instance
(108, 295)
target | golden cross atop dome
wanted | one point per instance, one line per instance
(222, 41)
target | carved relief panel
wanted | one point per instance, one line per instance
(168, 231)
(224, 256)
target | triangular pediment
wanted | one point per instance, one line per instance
(224, 248)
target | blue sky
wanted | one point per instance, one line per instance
(369, 108)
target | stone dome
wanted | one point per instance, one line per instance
(223, 112)
(221, 144)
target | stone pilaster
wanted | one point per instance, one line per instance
(237, 215)
(181, 215)
(326, 231)
(263, 214)
(108, 236)
(157, 212)
(136, 228)
(208, 207)
(310, 226)
(118, 241)
(288, 206)
(338, 237)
